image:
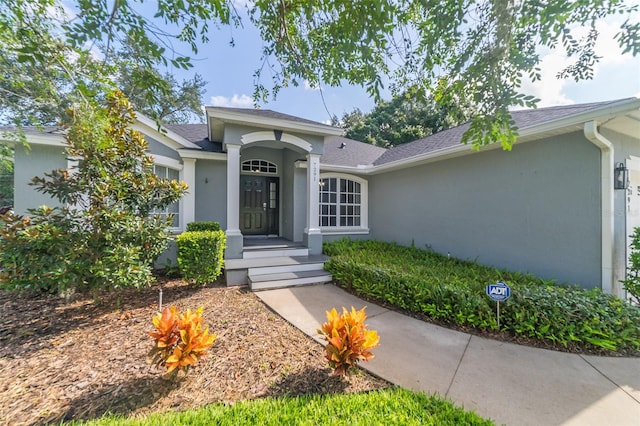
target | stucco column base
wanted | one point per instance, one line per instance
(313, 240)
(234, 244)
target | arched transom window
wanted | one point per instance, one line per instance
(259, 166)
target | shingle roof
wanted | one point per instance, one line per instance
(267, 113)
(196, 133)
(453, 136)
(352, 153)
(191, 132)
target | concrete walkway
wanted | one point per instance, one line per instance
(511, 384)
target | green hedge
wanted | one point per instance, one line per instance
(453, 291)
(203, 226)
(201, 255)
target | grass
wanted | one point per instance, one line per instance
(384, 407)
(453, 291)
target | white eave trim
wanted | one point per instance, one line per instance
(202, 155)
(601, 114)
(168, 137)
(273, 123)
(41, 139)
(526, 134)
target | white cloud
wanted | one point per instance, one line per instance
(550, 89)
(236, 101)
(309, 86)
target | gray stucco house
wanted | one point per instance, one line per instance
(547, 207)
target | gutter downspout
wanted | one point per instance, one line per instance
(606, 181)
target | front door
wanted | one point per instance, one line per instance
(259, 205)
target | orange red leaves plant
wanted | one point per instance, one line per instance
(348, 340)
(180, 341)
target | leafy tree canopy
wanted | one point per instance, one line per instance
(405, 118)
(154, 94)
(471, 53)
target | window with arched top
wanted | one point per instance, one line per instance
(260, 166)
(343, 204)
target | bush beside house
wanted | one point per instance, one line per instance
(453, 291)
(201, 252)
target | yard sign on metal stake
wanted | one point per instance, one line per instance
(498, 292)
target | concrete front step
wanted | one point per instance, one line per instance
(287, 279)
(263, 252)
(237, 271)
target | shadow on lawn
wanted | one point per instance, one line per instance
(121, 398)
(310, 380)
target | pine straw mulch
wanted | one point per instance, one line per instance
(80, 360)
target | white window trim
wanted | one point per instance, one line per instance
(160, 160)
(364, 207)
(257, 172)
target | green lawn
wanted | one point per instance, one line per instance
(453, 291)
(394, 406)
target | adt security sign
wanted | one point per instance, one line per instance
(498, 291)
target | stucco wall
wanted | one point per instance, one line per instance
(39, 160)
(300, 203)
(535, 209)
(211, 191)
(158, 148)
(287, 194)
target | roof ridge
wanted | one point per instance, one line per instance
(572, 106)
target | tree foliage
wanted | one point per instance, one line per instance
(464, 54)
(405, 118)
(104, 235)
(155, 94)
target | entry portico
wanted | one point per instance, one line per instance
(273, 175)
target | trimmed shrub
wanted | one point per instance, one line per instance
(203, 226)
(453, 291)
(201, 255)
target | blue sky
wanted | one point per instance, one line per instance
(229, 71)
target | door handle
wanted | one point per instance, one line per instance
(264, 206)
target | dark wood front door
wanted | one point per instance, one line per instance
(259, 205)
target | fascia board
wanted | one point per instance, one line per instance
(202, 155)
(168, 137)
(600, 114)
(43, 139)
(439, 155)
(526, 134)
(273, 123)
(357, 170)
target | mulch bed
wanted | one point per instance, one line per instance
(81, 359)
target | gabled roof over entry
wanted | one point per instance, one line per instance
(263, 118)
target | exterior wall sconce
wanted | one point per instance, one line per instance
(620, 177)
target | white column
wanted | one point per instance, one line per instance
(313, 193)
(188, 210)
(233, 190)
